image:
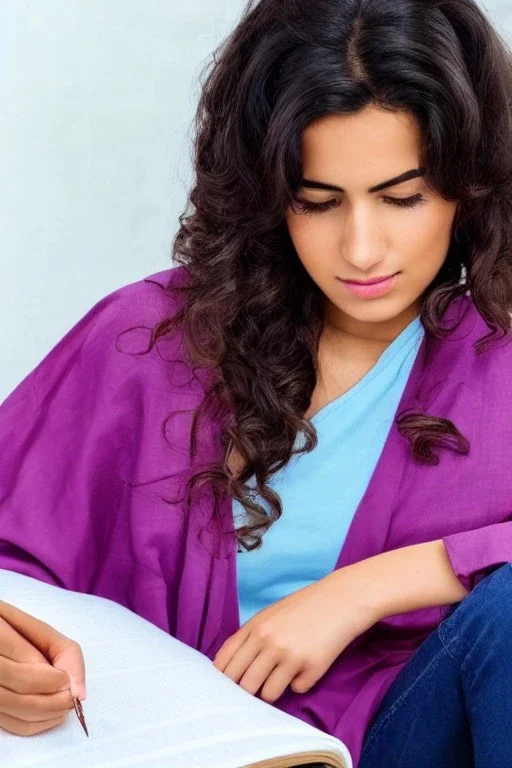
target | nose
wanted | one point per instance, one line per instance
(362, 245)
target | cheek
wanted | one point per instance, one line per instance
(310, 235)
(428, 240)
(424, 255)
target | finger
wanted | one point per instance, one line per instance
(22, 728)
(38, 678)
(303, 682)
(230, 647)
(34, 630)
(241, 660)
(31, 708)
(278, 681)
(14, 646)
(257, 672)
(16, 650)
(63, 652)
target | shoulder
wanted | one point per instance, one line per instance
(475, 327)
(113, 336)
(140, 304)
(110, 345)
(458, 351)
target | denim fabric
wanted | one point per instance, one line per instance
(451, 705)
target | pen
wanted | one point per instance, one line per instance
(80, 714)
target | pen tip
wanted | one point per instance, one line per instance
(80, 714)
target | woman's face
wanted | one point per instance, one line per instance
(361, 235)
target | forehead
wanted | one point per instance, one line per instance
(360, 149)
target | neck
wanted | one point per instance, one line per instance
(361, 342)
(340, 326)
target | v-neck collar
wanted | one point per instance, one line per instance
(384, 359)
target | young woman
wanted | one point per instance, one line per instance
(292, 450)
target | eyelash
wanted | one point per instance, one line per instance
(404, 202)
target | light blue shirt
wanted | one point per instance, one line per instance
(320, 491)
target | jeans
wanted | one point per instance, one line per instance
(451, 704)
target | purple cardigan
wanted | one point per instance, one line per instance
(89, 469)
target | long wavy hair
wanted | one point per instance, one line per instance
(252, 313)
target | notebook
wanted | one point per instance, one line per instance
(152, 700)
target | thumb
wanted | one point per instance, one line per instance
(70, 659)
(64, 654)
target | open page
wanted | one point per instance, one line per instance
(151, 699)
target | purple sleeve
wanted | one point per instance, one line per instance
(65, 433)
(472, 553)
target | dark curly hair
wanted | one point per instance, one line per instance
(252, 313)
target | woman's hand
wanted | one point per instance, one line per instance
(295, 640)
(40, 672)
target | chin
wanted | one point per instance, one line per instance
(375, 310)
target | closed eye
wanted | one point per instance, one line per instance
(400, 202)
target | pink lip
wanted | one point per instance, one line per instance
(369, 282)
(370, 290)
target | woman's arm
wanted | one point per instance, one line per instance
(402, 580)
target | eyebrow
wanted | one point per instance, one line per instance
(412, 174)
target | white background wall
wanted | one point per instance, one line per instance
(97, 101)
